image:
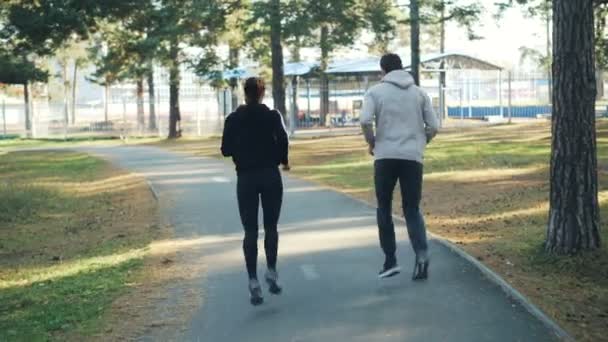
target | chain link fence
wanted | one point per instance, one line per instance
(468, 95)
(116, 116)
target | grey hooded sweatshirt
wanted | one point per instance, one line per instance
(403, 115)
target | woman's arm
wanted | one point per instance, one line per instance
(228, 138)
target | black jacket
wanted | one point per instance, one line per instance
(255, 138)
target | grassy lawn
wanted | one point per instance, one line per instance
(74, 233)
(486, 189)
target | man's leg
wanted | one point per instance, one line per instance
(272, 198)
(385, 179)
(410, 179)
(248, 199)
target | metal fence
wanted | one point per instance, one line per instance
(200, 116)
(479, 95)
(468, 95)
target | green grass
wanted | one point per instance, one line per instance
(40, 311)
(64, 254)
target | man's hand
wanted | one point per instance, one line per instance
(286, 167)
(370, 149)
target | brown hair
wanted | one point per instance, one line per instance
(254, 90)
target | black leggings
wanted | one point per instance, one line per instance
(264, 184)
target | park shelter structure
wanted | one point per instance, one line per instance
(353, 77)
(350, 78)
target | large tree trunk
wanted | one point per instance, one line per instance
(74, 83)
(574, 216)
(174, 81)
(233, 61)
(324, 87)
(141, 116)
(278, 77)
(28, 118)
(415, 40)
(152, 101)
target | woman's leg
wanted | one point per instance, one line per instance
(248, 199)
(272, 199)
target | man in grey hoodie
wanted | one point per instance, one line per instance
(405, 124)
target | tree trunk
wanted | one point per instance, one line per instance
(174, 81)
(141, 116)
(294, 104)
(28, 118)
(66, 99)
(324, 87)
(574, 211)
(74, 83)
(152, 100)
(233, 61)
(296, 55)
(600, 83)
(278, 77)
(66, 96)
(415, 38)
(106, 102)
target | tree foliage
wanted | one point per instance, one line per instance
(16, 70)
(43, 26)
(465, 15)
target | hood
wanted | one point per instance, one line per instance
(400, 78)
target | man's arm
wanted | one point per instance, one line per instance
(228, 138)
(282, 139)
(430, 119)
(368, 112)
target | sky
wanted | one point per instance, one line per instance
(502, 39)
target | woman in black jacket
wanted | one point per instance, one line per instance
(256, 139)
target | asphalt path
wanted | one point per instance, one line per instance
(329, 257)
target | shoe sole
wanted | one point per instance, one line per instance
(390, 272)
